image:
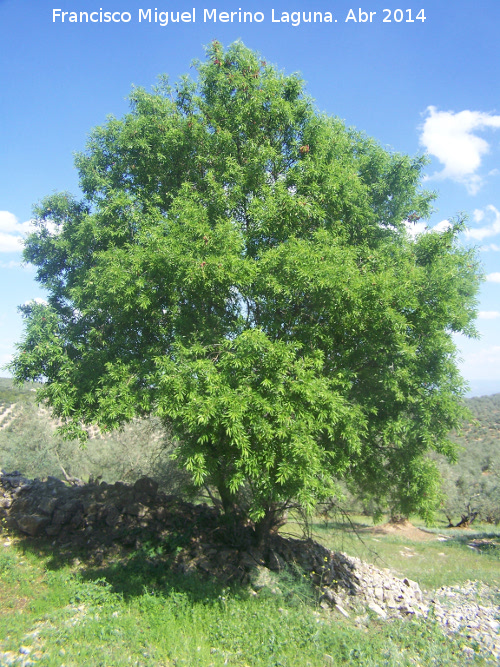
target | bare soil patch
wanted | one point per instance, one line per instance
(402, 529)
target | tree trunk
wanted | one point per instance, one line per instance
(270, 522)
(227, 498)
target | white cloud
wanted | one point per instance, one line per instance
(37, 299)
(442, 226)
(491, 246)
(482, 364)
(21, 266)
(493, 277)
(450, 137)
(490, 229)
(10, 225)
(416, 228)
(488, 314)
(10, 265)
(478, 214)
(13, 232)
(10, 243)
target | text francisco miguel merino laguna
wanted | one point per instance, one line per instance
(207, 15)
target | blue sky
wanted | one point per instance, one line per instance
(423, 86)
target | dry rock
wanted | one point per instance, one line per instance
(377, 609)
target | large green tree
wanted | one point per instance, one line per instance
(240, 266)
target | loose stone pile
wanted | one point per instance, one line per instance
(473, 611)
(99, 517)
(383, 593)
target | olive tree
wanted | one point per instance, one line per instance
(240, 266)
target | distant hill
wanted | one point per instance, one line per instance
(472, 486)
(483, 388)
(10, 393)
(481, 439)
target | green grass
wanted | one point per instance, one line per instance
(432, 563)
(136, 612)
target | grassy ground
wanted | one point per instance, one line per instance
(134, 612)
(433, 557)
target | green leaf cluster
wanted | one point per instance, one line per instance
(239, 265)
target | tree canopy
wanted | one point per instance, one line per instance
(239, 265)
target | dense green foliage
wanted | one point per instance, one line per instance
(239, 266)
